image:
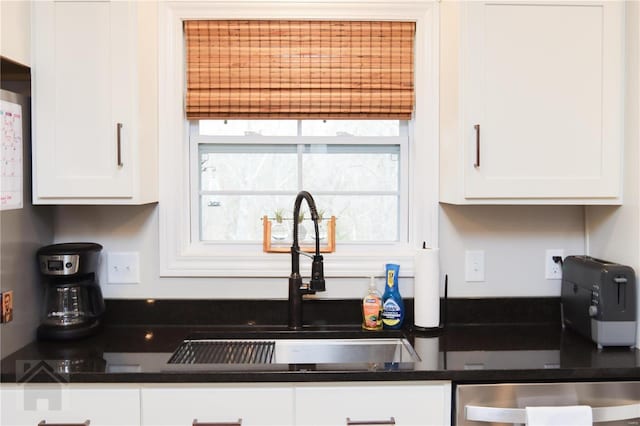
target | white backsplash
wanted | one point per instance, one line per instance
(514, 239)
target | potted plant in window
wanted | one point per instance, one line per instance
(279, 230)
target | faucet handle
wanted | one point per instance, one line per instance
(317, 274)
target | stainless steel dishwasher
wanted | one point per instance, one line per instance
(613, 403)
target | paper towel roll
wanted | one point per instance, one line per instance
(426, 291)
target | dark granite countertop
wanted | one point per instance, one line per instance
(130, 350)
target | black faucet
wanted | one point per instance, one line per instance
(296, 288)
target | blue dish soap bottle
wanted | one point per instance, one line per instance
(392, 305)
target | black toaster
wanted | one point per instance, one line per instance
(599, 300)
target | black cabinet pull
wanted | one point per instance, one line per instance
(477, 163)
(119, 143)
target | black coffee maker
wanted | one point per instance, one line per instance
(73, 303)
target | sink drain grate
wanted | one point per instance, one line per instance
(223, 352)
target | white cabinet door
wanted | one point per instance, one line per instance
(86, 103)
(540, 90)
(211, 404)
(80, 83)
(406, 403)
(103, 405)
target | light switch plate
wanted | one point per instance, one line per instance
(474, 266)
(123, 267)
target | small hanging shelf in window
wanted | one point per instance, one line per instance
(277, 236)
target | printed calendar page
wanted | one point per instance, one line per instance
(11, 172)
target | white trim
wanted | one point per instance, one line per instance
(179, 256)
(194, 156)
(302, 140)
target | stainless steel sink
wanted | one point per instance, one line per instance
(343, 351)
(295, 351)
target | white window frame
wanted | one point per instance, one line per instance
(180, 255)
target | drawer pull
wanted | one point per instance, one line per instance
(391, 421)
(44, 423)
(197, 423)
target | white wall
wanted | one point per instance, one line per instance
(513, 237)
(22, 232)
(15, 30)
(614, 233)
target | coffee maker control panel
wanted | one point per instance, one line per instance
(65, 264)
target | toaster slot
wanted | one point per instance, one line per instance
(621, 283)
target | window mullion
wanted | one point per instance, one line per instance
(357, 193)
(247, 192)
(300, 152)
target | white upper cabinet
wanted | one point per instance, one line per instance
(531, 102)
(15, 28)
(94, 102)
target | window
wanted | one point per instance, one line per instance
(356, 170)
(184, 251)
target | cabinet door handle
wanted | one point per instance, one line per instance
(119, 143)
(197, 423)
(477, 163)
(44, 423)
(391, 421)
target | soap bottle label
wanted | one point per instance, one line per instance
(391, 313)
(390, 278)
(371, 312)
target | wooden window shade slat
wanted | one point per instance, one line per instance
(299, 69)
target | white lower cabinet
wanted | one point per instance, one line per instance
(380, 403)
(227, 404)
(245, 404)
(71, 405)
(317, 404)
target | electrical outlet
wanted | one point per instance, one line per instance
(553, 270)
(123, 268)
(474, 266)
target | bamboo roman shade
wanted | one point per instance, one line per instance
(299, 69)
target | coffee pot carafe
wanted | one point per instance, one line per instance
(73, 303)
